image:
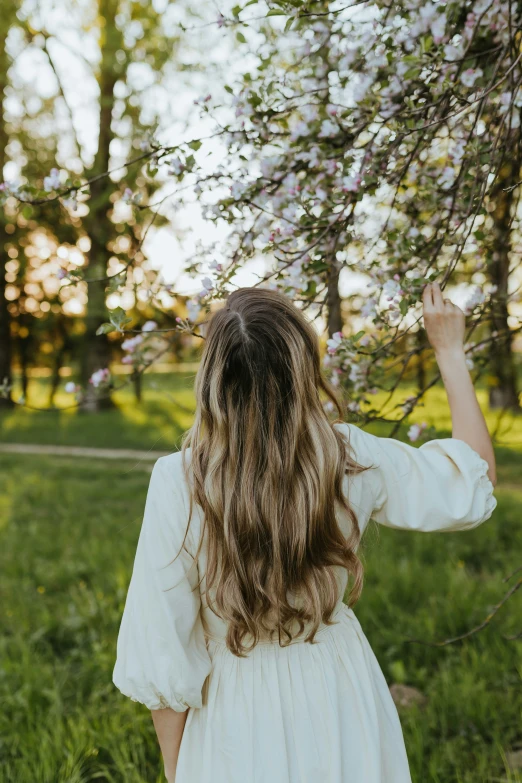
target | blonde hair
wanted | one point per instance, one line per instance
(267, 469)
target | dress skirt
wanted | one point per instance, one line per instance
(305, 713)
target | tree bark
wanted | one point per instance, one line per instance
(6, 343)
(96, 350)
(420, 342)
(503, 392)
(333, 299)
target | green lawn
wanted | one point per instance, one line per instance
(165, 413)
(157, 423)
(68, 531)
(67, 542)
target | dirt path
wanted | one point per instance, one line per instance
(81, 451)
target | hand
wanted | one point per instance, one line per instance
(445, 323)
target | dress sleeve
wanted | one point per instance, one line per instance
(443, 485)
(162, 659)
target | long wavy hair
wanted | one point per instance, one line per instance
(267, 467)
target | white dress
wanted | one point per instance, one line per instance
(306, 713)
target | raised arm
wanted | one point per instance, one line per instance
(445, 326)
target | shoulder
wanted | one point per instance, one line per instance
(168, 476)
(364, 448)
(171, 463)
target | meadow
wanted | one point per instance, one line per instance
(68, 531)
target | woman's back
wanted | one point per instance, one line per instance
(301, 701)
(302, 712)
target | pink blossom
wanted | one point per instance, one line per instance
(438, 28)
(149, 326)
(470, 76)
(99, 377)
(391, 289)
(351, 183)
(71, 387)
(334, 342)
(132, 343)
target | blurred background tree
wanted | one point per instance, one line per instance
(126, 51)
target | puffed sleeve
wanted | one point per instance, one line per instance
(443, 485)
(162, 659)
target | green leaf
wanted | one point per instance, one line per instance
(229, 89)
(240, 37)
(276, 13)
(119, 318)
(195, 145)
(289, 23)
(105, 329)
(403, 306)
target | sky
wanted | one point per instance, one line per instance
(206, 60)
(74, 50)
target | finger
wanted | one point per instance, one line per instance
(437, 297)
(427, 297)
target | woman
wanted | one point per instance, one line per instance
(235, 633)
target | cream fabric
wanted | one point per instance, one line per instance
(308, 712)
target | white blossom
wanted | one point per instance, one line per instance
(470, 76)
(132, 343)
(334, 342)
(52, 182)
(99, 377)
(415, 431)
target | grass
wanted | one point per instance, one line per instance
(165, 413)
(157, 423)
(68, 532)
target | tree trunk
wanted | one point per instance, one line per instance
(5, 316)
(420, 343)
(24, 350)
(333, 299)
(137, 377)
(5, 320)
(96, 351)
(503, 392)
